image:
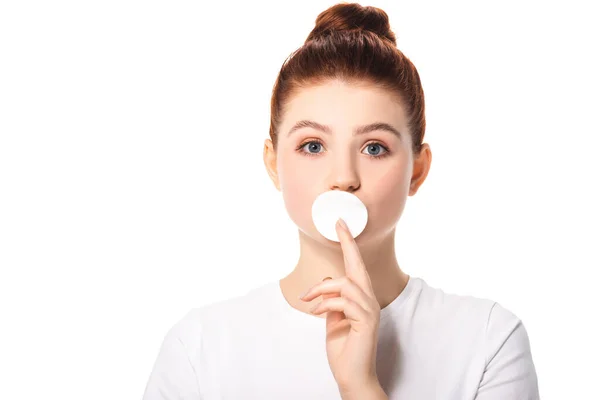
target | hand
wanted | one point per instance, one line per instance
(352, 319)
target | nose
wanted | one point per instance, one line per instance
(344, 176)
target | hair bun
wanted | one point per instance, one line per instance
(352, 17)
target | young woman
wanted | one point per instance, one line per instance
(347, 114)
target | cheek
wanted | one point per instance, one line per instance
(299, 188)
(387, 197)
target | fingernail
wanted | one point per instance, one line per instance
(342, 224)
(304, 294)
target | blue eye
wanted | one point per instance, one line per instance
(374, 146)
(314, 146)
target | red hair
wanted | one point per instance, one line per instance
(354, 44)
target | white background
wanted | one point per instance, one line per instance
(132, 184)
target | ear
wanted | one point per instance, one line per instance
(270, 160)
(421, 167)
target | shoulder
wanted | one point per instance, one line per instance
(495, 332)
(219, 318)
(478, 317)
(505, 335)
(492, 330)
(457, 308)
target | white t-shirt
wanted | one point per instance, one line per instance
(432, 345)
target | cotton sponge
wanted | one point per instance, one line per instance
(329, 206)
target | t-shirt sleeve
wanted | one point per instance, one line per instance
(173, 376)
(509, 373)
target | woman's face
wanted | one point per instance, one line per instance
(375, 164)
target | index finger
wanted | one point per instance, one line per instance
(355, 266)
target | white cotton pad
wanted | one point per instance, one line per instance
(329, 206)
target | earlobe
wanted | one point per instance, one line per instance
(270, 160)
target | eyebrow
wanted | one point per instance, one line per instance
(359, 130)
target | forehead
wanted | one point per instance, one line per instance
(343, 105)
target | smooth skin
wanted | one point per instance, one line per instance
(352, 319)
(381, 170)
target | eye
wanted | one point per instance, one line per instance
(372, 150)
(312, 147)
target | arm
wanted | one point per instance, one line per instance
(173, 376)
(509, 373)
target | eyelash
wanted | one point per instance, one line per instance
(299, 149)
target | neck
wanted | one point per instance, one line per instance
(318, 261)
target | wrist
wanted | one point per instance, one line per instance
(372, 391)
